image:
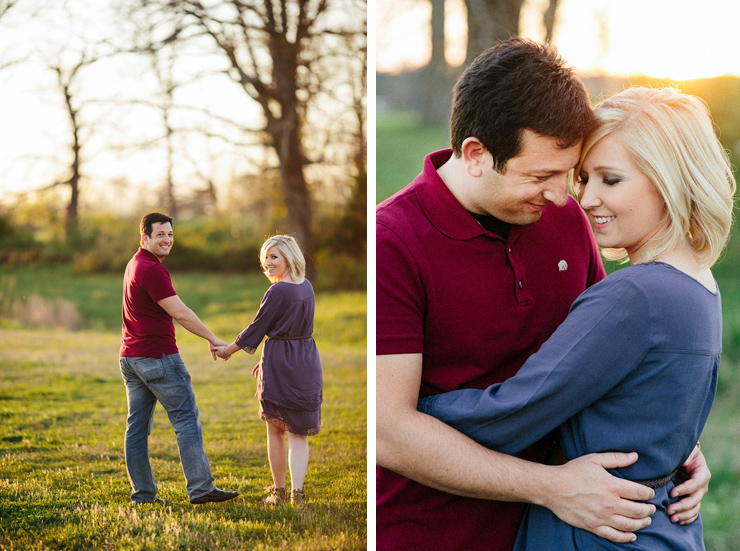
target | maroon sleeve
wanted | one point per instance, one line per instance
(400, 296)
(157, 283)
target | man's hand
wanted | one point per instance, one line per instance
(214, 345)
(585, 495)
(221, 353)
(686, 510)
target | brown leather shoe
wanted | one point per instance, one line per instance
(298, 499)
(276, 496)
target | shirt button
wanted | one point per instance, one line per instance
(509, 249)
(520, 283)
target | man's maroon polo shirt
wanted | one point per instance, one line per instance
(476, 306)
(147, 328)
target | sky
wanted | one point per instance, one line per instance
(34, 150)
(124, 154)
(665, 38)
(679, 39)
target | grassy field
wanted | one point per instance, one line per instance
(402, 143)
(63, 481)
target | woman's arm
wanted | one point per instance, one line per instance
(603, 339)
(419, 447)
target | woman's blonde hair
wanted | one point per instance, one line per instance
(289, 248)
(670, 137)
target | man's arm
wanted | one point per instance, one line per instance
(176, 308)
(426, 450)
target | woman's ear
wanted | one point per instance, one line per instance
(476, 157)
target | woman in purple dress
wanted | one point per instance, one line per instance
(289, 379)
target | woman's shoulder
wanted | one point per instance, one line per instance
(285, 288)
(652, 285)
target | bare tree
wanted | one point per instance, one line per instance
(437, 74)
(66, 80)
(549, 19)
(269, 47)
(355, 218)
(5, 7)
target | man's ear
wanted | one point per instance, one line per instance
(475, 156)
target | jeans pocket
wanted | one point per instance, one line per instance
(150, 370)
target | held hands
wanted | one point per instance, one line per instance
(215, 345)
(221, 353)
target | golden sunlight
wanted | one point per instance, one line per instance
(677, 39)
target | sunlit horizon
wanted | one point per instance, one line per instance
(671, 39)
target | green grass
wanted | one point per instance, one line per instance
(63, 481)
(402, 143)
(401, 139)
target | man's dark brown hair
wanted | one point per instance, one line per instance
(514, 85)
(153, 218)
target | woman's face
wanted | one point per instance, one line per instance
(276, 264)
(621, 202)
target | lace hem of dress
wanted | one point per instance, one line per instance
(313, 431)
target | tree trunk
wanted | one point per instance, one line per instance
(549, 20)
(286, 139)
(490, 21)
(436, 108)
(285, 129)
(74, 178)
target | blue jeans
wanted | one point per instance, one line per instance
(166, 380)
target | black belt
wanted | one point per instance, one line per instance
(658, 482)
(289, 338)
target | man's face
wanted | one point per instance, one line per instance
(161, 241)
(531, 181)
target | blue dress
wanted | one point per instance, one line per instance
(290, 384)
(632, 368)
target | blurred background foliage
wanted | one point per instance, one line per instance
(32, 235)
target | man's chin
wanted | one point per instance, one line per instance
(526, 219)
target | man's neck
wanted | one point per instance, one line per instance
(457, 180)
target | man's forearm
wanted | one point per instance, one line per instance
(581, 492)
(192, 323)
(425, 450)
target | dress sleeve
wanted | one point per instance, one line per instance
(604, 338)
(270, 308)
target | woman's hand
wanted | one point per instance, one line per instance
(221, 353)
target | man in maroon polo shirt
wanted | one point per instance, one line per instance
(153, 371)
(478, 261)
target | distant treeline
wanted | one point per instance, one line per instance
(722, 95)
(231, 244)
